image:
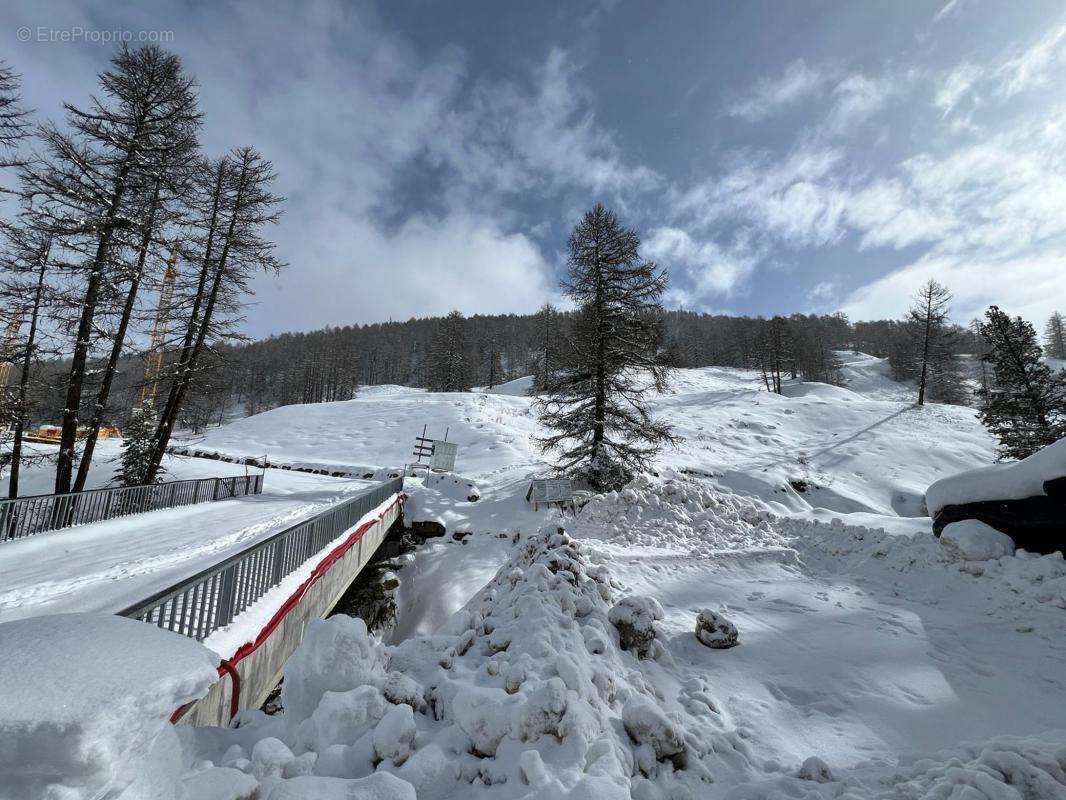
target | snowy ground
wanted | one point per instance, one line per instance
(107, 566)
(800, 518)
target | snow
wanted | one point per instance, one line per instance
(107, 566)
(872, 663)
(973, 540)
(227, 640)
(85, 703)
(519, 387)
(1011, 481)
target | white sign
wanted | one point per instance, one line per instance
(550, 490)
(444, 456)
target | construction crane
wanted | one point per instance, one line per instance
(153, 359)
(7, 349)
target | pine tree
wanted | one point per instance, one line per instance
(596, 404)
(14, 119)
(927, 354)
(85, 194)
(232, 203)
(545, 346)
(1025, 406)
(137, 447)
(448, 363)
(1055, 336)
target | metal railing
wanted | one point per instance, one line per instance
(28, 516)
(210, 600)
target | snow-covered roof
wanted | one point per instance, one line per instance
(1011, 481)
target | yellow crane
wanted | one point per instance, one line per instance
(153, 359)
(7, 349)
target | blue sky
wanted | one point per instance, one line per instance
(775, 157)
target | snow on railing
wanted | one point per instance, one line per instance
(28, 516)
(209, 600)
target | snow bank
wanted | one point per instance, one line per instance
(519, 387)
(1008, 768)
(526, 692)
(973, 540)
(1011, 481)
(85, 704)
(678, 513)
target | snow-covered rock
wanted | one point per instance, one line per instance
(395, 734)
(815, 769)
(647, 725)
(85, 706)
(635, 617)
(973, 540)
(714, 630)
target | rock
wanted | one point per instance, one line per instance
(714, 630)
(428, 528)
(646, 724)
(400, 689)
(973, 540)
(394, 735)
(814, 769)
(634, 617)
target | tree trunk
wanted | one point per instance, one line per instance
(76, 380)
(925, 349)
(116, 345)
(24, 377)
(181, 385)
(162, 434)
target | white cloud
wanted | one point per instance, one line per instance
(1032, 67)
(955, 87)
(769, 95)
(708, 269)
(949, 8)
(1031, 286)
(823, 293)
(794, 199)
(858, 98)
(355, 271)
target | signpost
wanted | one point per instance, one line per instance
(550, 490)
(440, 452)
(443, 456)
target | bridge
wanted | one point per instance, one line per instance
(256, 584)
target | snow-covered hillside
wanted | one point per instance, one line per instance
(864, 451)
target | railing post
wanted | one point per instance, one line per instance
(218, 481)
(226, 596)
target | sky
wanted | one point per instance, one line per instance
(774, 157)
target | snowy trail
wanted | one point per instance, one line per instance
(108, 565)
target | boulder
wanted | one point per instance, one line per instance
(427, 528)
(634, 617)
(814, 769)
(973, 540)
(714, 630)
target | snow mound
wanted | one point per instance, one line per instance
(973, 540)
(685, 514)
(519, 387)
(85, 704)
(1008, 768)
(527, 691)
(1011, 481)
(677, 513)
